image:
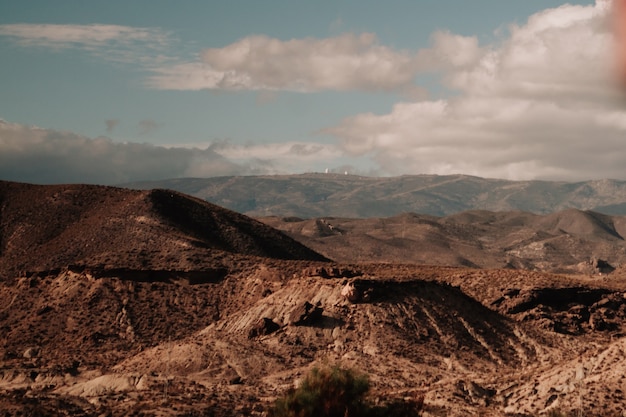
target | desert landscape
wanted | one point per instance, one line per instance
(152, 302)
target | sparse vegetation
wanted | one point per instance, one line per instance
(338, 392)
(330, 392)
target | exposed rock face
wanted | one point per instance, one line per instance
(566, 310)
(306, 314)
(475, 393)
(357, 291)
(263, 327)
(333, 272)
(350, 293)
(601, 266)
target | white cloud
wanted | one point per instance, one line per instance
(345, 62)
(281, 158)
(340, 63)
(449, 51)
(540, 104)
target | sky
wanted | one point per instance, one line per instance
(118, 91)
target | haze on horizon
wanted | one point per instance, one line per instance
(112, 93)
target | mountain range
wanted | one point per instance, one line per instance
(318, 195)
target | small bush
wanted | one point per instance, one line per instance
(336, 392)
(327, 392)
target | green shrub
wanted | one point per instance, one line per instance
(327, 392)
(337, 392)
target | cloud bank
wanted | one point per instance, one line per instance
(540, 104)
(32, 154)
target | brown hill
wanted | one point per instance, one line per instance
(49, 227)
(567, 241)
(122, 302)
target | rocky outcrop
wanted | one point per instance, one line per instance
(306, 314)
(263, 327)
(573, 311)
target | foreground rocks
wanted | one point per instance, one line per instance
(110, 346)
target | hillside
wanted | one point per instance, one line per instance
(154, 303)
(49, 227)
(571, 241)
(323, 195)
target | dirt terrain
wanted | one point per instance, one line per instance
(569, 241)
(153, 303)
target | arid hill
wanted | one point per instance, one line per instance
(152, 303)
(44, 228)
(571, 241)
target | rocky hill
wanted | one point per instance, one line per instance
(322, 195)
(572, 241)
(152, 303)
(44, 228)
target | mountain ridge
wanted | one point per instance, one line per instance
(319, 195)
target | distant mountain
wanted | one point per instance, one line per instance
(319, 195)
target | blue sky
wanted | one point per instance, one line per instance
(114, 91)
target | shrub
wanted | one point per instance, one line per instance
(326, 392)
(336, 392)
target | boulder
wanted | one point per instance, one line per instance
(350, 293)
(263, 327)
(306, 314)
(31, 352)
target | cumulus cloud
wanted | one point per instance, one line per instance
(539, 104)
(345, 62)
(32, 154)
